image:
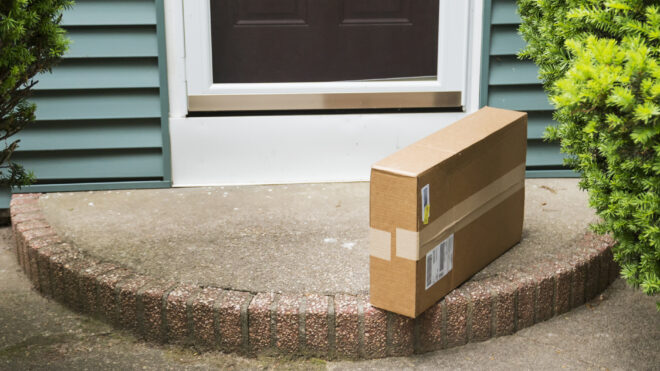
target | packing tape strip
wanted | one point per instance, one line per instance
(379, 244)
(413, 245)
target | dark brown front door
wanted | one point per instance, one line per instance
(323, 40)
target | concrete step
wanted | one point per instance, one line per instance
(284, 269)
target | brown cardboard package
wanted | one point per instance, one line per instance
(444, 207)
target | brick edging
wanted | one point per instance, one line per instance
(327, 326)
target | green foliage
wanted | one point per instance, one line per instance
(31, 41)
(599, 61)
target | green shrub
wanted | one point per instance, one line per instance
(599, 61)
(31, 41)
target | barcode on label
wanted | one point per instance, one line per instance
(439, 261)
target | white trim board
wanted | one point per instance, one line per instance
(176, 58)
(291, 149)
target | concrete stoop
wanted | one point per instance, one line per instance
(320, 325)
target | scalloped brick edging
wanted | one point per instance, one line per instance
(337, 326)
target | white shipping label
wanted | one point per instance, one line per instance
(439, 261)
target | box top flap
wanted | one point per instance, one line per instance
(422, 155)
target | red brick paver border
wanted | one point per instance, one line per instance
(329, 326)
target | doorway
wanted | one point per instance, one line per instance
(267, 41)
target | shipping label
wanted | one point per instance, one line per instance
(439, 261)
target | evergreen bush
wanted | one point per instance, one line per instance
(599, 61)
(31, 41)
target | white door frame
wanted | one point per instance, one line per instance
(452, 56)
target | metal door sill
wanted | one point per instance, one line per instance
(322, 101)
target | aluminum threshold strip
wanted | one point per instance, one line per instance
(276, 102)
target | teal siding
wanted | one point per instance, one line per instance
(102, 112)
(87, 74)
(112, 42)
(111, 13)
(508, 82)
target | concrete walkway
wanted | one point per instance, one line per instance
(288, 238)
(620, 330)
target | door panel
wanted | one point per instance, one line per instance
(376, 12)
(270, 12)
(323, 40)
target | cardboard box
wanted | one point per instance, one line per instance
(444, 207)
